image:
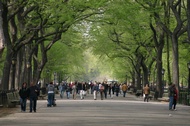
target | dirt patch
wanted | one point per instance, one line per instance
(7, 111)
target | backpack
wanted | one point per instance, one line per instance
(101, 88)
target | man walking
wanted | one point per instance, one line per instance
(124, 89)
(146, 91)
(33, 92)
(171, 95)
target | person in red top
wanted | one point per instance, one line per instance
(175, 98)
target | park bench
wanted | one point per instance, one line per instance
(42, 95)
(16, 95)
(1, 101)
(151, 95)
(131, 90)
(12, 100)
(138, 93)
(164, 98)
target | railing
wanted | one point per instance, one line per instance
(184, 98)
(3, 97)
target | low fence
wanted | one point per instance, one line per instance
(3, 97)
(184, 98)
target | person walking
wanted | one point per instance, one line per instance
(101, 87)
(146, 91)
(105, 89)
(60, 90)
(175, 98)
(117, 89)
(50, 90)
(124, 89)
(23, 97)
(33, 93)
(95, 90)
(74, 90)
(68, 91)
(171, 95)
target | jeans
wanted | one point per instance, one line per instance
(171, 98)
(102, 95)
(68, 94)
(82, 94)
(124, 93)
(50, 99)
(33, 102)
(95, 94)
(146, 97)
(61, 94)
(105, 93)
(117, 93)
(23, 104)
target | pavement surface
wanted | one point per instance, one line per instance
(116, 111)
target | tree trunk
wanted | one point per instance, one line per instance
(2, 38)
(159, 84)
(175, 65)
(188, 19)
(7, 63)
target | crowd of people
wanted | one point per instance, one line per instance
(84, 88)
(30, 93)
(71, 90)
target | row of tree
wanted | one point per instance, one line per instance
(146, 36)
(30, 28)
(135, 38)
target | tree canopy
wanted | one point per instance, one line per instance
(131, 41)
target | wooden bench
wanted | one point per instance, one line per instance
(151, 95)
(130, 91)
(42, 96)
(138, 93)
(164, 98)
(12, 101)
(16, 96)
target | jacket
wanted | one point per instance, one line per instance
(23, 93)
(33, 91)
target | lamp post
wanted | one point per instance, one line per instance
(149, 77)
(28, 72)
(54, 76)
(13, 73)
(48, 81)
(163, 71)
(188, 65)
(141, 81)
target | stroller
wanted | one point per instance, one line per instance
(54, 103)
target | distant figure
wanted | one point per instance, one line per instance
(117, 89)
(175, 98)
(146, 91)
(33, 92)
(23, 97)
(171, 95)
(101, 89)
(74, 90)
(124, 89)
(95, 90)
(68, 91)
(105, 89)
(51, 94)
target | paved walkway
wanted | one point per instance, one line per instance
(119, 111)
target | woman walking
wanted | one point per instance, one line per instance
(23, 97)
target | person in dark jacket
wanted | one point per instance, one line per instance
(117, 89)
(33, 92)
(51, 94)
(23, 97)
